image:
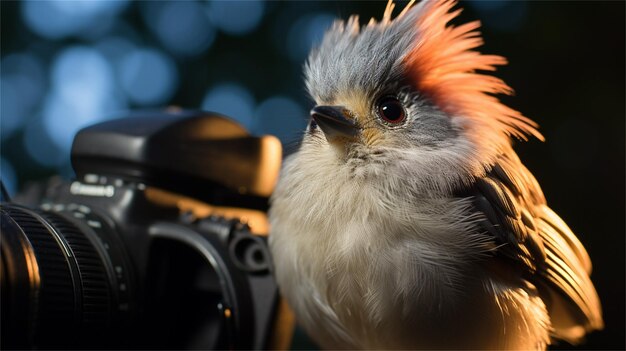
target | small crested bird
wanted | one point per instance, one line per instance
(405, 219)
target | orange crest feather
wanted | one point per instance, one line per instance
(444, 66)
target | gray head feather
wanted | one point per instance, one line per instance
(367, 58)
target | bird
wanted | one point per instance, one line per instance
(405, 219)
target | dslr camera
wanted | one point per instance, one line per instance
(159, 242)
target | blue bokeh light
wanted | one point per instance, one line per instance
(23, 82)
(41, 148)
(182, 27)
(62, 118)
(282, 117)
(60, 18)
(83, 92)
(114, 48)
(306, 33)
(148, 76)
(8, 176)
(82, 75)
(232, 100)
(12, 108)
(236, 17)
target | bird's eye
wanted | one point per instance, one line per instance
(391, 110)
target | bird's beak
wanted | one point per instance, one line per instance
(333, 123)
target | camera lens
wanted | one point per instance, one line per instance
(63, 282)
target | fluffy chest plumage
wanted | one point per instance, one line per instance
(364, 260)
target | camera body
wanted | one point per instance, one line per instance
(158, 243)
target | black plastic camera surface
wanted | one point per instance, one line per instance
(97, 263)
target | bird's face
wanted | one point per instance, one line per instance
(371, 121)
(393, 137)
(403, 102)
(367, 128)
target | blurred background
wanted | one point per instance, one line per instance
(68, 64)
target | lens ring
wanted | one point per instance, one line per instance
(56, 290)
(96, 296)
(74, 291)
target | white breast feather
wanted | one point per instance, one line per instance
(359, 254)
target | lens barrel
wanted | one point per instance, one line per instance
(68, 282)
(58, 283)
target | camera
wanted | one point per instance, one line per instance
(159, 242)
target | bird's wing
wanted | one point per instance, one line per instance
(534, 239)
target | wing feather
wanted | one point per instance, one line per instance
(537, 242)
